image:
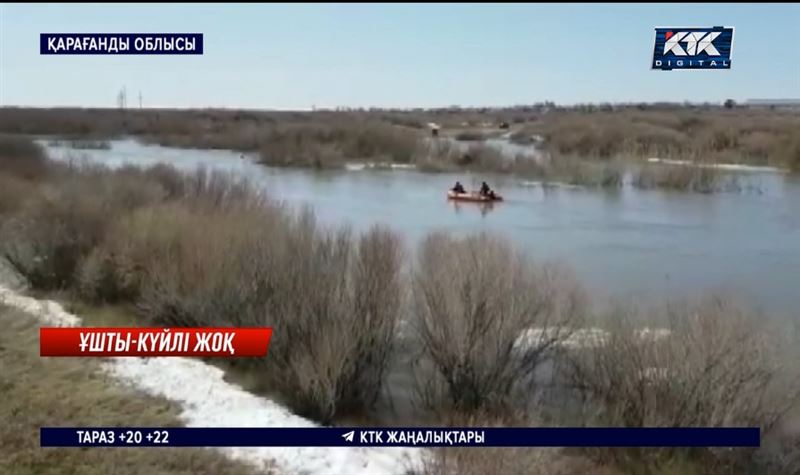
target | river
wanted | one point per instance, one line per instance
(624, 243)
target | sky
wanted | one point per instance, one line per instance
(299, 56)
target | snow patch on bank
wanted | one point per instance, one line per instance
(49, 312)
(581, 338)
(550, 184)
(207, 400)
(356, 167)
(721, 166)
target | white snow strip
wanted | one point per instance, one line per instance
(652, 334)
(550, 184)
(357, 167)
(721, 166)
(207, 400)
(49, 312)
(354, 167)
(582, 337)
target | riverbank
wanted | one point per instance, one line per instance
(129, 236)
(737, 135)
(39, 392)
(325, 139)
(498, 158)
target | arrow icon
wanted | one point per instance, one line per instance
(348, 436)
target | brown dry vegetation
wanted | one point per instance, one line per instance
(22, 158)
(132, 236)
(205, 249)
(753, 135)
(473, 298)
(699, 179)
(328, 145)
(67, 392)
(720, 366)
(574, 171)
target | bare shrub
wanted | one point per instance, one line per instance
(333, 301)
(170, 179)
(213, 251)
(473, 298)
(484, 157)
(679, 133)
(299, 152)
(22, 158)
(438, 156)
(96, 280)
(696, 177)
(13, 193)
(583, 173)
(218, 190)
(718, 367)
(790, 151)
(611, 176)
(336, 342)
(46, 240)
(144, 246)
(573, 171)
(187, 278)
(329, 145)
(377, 302)
(382, 142)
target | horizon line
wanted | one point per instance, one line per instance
(346, 108)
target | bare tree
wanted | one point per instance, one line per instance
(475, 299)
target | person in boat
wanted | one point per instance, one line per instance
(486, 191)
(458, 188)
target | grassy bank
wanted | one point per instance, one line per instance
(758, 136)
(330, 145)
(573, 171)
(67, 392)
(688, 177)
(205, 249)
(751, 136)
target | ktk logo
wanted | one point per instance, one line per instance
(696, 43)
(693, 48)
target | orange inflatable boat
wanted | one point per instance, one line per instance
(472, 197)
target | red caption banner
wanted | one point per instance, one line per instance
(106, 341)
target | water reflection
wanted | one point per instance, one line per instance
(483, 208)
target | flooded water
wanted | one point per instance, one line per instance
(627, 243)
(503, 144)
